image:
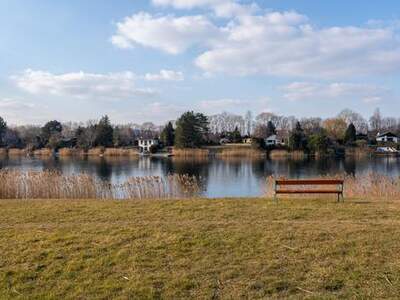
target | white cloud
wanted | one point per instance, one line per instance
(165, 75)
(274, 43)
(81, 85)
(222, 8)
(170, 34)
(298, 91)
(285, 44)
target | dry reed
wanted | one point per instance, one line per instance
(17, 152)
(372, 186)
(3, 151)
(54, 185)
(191, 152)
(43, 152)
(65, 152)
(120, 152)
(96, 151)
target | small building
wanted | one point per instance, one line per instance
(224, 141)
(274, 140)
(248, 140)
(387, 137)
(146, 144)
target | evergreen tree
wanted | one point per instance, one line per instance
(49, 129)
(271, 129)
(168, 135)
(350, 135)
(104, 132)
(191, 130)
(297, 139)
(236, 137)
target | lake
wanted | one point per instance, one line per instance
(220, 177)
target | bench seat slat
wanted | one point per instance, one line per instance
(308, 192)
(310, 182)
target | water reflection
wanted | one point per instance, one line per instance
(220, 177)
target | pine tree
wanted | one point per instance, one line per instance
(168, 135)
(104, 132)
(191, 130)
(350, 135)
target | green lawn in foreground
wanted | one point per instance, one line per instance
(205, 249)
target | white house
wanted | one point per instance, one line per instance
(387, 137)
(145, 144)
(274, 140)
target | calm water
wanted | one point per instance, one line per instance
(221, 178)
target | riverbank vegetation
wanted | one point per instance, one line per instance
(16, 184)
(347, 133)
(199, 249)
(54, 185)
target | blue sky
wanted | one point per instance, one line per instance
(151, 60)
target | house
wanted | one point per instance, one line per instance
(248, 140)
(224, 141)
(387, 137)
(274, 140)
(145, 144)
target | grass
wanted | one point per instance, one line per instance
(201, 249)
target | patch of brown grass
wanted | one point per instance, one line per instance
(199, 249)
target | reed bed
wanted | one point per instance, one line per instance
(191, 152)
(120, 152)
(245, 152)
(43, 152)
(372, 186)
(17, 152)
(54, 185)
(96, 151)
(64, 152)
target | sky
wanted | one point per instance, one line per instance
(138, 60)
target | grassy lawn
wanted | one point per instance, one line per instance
(206, 249)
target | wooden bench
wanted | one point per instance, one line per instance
(279, 187)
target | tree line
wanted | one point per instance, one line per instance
(193, 130)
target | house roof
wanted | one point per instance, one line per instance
(389, 134)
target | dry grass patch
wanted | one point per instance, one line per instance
(199, 249)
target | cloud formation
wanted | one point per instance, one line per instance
(81, 85)
(272, 43)
(165, 75)
(170, 34)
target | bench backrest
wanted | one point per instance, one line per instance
(309, 181)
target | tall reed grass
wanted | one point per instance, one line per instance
(372, 186)
(191, 152)
(43, 152)
(120, 152)
(54, 185)
(17, 152)
(63, 152)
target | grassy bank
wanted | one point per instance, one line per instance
(205, 249)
